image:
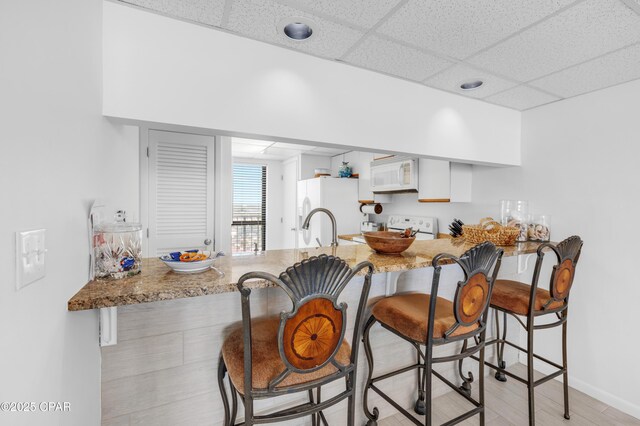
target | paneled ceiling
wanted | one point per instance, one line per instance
(266, 150)
(527, 52)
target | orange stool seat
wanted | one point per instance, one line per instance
(408, 314)
(266, 361)
(513, 296)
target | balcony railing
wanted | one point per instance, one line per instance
(247, 234)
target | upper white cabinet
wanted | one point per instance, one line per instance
(434, 181)
(460, 182)
(360, 163)
(442, 182)
(378, 156)
(365, 195)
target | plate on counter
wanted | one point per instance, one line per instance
(190, 267)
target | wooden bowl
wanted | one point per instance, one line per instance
(387, 242)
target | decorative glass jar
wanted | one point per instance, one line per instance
(117, 249)
(539, 228)
(516, 213)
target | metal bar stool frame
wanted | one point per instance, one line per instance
(567, 252)
(301, 283)
(480, 259)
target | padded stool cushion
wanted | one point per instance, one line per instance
(267, 363)
(408, 314)
(513, 296)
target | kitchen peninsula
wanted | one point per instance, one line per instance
(175, 341)
(157, 283)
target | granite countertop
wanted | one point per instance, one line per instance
(157, 282)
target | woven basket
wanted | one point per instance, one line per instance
(490, 230)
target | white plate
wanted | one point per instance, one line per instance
(188, 267)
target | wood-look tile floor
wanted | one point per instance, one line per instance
(506, 404)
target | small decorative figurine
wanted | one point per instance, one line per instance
(345, 170)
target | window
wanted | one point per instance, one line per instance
(249, 226)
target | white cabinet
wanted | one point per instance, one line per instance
(378, 156)
(365, 196)
(443, 182)
(434, 181)
(360, 163)
(460, 182)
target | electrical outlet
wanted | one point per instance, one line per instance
(30, 257)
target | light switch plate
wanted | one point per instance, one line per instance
(30, 257)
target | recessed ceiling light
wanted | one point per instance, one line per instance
(296, 29)
(471, 85)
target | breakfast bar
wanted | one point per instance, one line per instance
(157, 283)
(167, 328)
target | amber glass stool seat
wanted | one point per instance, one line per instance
(426, 320)
(297, 351)
(515, 298)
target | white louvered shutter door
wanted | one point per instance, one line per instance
(181, 197)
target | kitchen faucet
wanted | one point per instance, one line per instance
(305, 225)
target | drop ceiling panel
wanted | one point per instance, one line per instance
(267, 150)
(392, 58)
(451, 79)
(595, 74)
(204, 11)
(261, 19)
(269, 157)
(633, 4)
(246, 149)
(261, 143)
(461, 27)
(292, 146)
(281, 152)
(327, 151)
(521, 98)
(583, 32)
(363, 13)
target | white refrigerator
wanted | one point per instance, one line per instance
(338, 195)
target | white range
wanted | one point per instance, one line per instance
(427, 227)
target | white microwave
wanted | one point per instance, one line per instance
(395, 174)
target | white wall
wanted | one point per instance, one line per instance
(58, 153)
(307, 164)
(275, 200)
(163, 70)
(224, 194)
(579, 164)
